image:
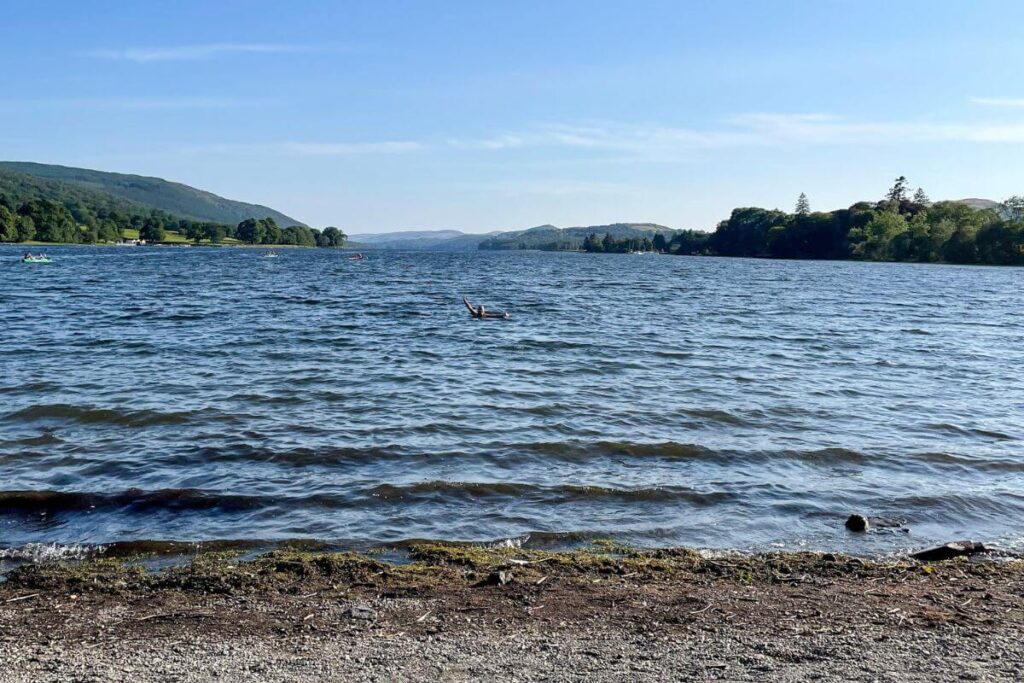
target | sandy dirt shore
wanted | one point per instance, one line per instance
(507, 615)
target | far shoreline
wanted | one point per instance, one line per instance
(370, 249)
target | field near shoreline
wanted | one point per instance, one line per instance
(455, 614)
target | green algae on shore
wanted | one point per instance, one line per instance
(429, 565)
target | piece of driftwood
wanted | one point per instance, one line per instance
(949, 550)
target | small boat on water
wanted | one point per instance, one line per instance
(358, 256)
(36, 258)
(270, 254)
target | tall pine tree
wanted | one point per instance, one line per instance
(803, 205)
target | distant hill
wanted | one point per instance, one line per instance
(551, 238)
(976, 203)
(419, 240)
(155, 193)
(542, 237)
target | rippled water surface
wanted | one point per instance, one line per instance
(193, 394)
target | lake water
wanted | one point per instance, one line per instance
(196, 394)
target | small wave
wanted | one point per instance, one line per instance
(44, 439)
(547, 345)
(828, 456)
(578, 451)
(91, 415)
(969, 464)
(50, 552)
(967, 431)
(673, 354)
(713, 415)
(181, 317)
(446, 490)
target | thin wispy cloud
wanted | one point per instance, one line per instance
(199, 52)
(607, 137)
(497, 142)
(810, 129)
(633, 142)
(658, 142)
(1013, 102)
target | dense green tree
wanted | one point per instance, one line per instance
(912, 244)
(215, 232)
(1001, 243)
(153, 230)
(745, 233)
(8, 230)
(688, 242)
(333, 237)
(26, 228)
(250, 230)
(872, 241)
(271, 233)
(961, 247)
(659, 242)
(52, 221)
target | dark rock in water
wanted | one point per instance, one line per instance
(857, 523)
(949, 551)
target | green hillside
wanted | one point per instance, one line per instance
(47, 210)
(155, 193)
(36, 209)
(18, 188)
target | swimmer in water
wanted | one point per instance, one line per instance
(481, 313)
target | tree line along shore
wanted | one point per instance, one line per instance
(76, 222)
(900, 227)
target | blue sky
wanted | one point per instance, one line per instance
(378, 116)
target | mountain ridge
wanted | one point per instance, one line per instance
(545, 236)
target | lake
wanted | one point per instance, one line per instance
(211, 394)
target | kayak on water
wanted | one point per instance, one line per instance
(356, 257)
(39, 258)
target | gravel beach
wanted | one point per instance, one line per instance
(516, 616)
